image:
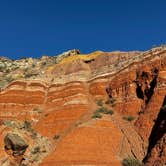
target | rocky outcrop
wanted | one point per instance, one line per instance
(15, 143)
(15, 147)
(67, 54)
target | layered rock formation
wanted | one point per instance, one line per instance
(58, 97)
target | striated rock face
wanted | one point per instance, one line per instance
(53, 99)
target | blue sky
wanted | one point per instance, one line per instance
(32, 28)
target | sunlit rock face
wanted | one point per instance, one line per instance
(53, 100)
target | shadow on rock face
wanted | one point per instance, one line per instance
(155, 154)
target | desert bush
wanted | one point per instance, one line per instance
(102, 109)
(111, 101)
(33, 134)
(100, 102)
(8, 123)
(96, 115)
(28, 75)
(9, 79)
(129, 118)
(27, 125)
(38, 110)
(56, 137)
(43, 63)
(110, 112)
(12, 124)
(105, 110)
(2, 66)
(33, 65)
(131, 161)
(36, 150)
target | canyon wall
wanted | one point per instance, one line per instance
(61, 100)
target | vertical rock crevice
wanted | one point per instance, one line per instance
(146, 83)
(157, 140)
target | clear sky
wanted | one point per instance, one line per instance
(36, 27)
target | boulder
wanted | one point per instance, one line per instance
(15, 143)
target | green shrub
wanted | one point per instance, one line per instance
(2, 67)
(33, 65)
(110, 112)
(131, 161)
(8, 123)
(111, 101)
(36, 150)
(97, 115)
(100, 102)
(105, 110)
(33, 134)
(102, 109)
(27, 125)
(28, 75)
(9, 79)
(129, 118)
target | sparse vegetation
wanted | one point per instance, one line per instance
(6, 80)
(131, 161)
(129, 118)
(33, 65)
(104, 110)
(96, 115)
(43, 64)
(9, 79)
(33, 134)
(100, 102)
(110, 112)
(2, 67)
(56, 137)
(36, 150)
(27, 125)
(28, 74)
(111, 101)
(9, 123)
(13, 124)
(37, 109)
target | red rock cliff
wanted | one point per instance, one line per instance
(57, 99)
